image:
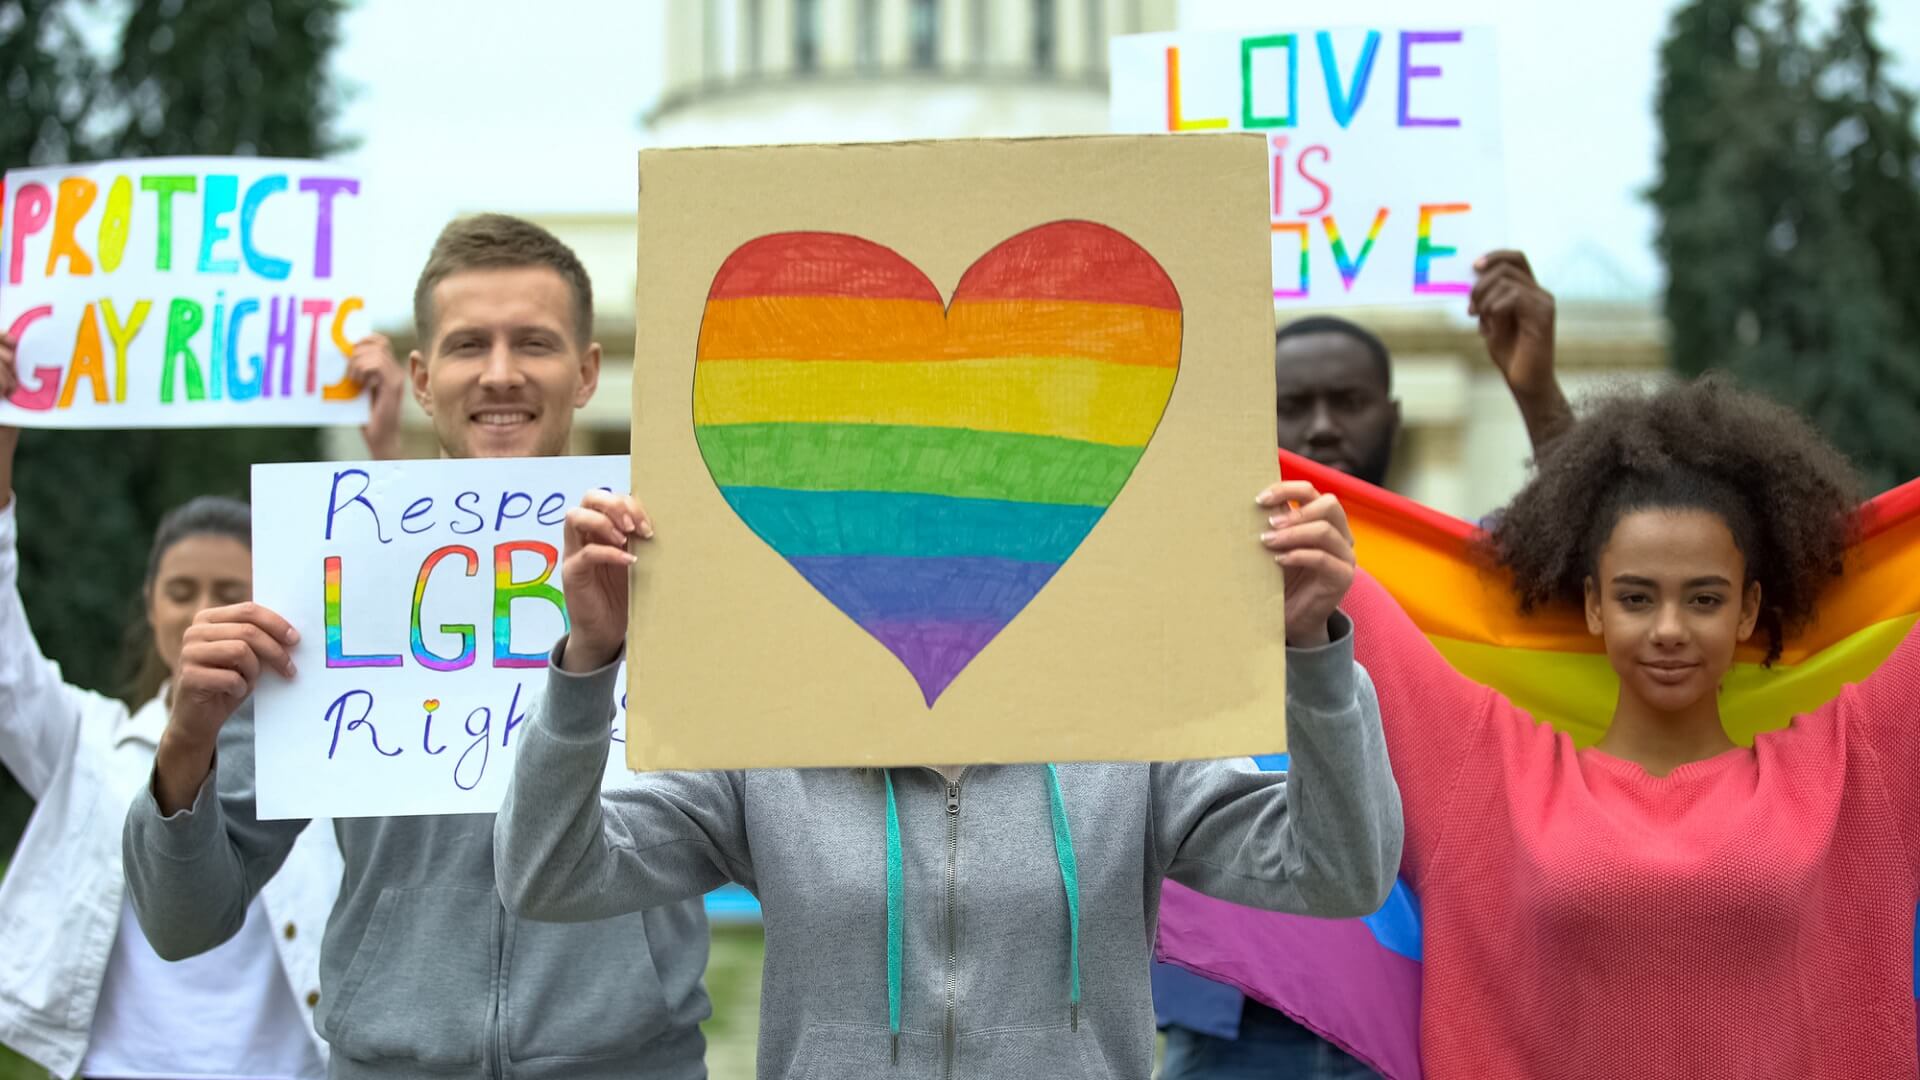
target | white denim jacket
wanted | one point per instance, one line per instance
(83, 758)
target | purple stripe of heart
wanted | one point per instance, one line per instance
(935, 652)
(934, 614)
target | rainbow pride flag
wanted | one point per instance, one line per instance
(1357, 981)
(928, 468)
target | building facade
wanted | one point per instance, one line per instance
(749, 71)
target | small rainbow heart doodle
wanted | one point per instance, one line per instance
(929, 467)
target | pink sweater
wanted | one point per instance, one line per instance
(1751, 915)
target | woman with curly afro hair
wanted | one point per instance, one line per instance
(1665, 903)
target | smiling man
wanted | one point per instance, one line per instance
(505, 317)
(423, 972)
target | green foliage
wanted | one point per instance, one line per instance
(733, 982)
(51, 81)
(89, 502)
(226, 77)
(1789, 197)
(254, 81)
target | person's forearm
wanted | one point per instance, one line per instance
(180, 770)
(579, 656)
(9, 442)
(382, 447)
(566, 852)
(1546, 412)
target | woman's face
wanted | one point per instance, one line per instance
(1668, 601)
(196, 573)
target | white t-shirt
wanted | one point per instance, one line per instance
(227, 1014)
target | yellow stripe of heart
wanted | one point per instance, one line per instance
(1071, 397)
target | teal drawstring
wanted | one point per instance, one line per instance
(896, 926)
(1070, 880)
(896, 903)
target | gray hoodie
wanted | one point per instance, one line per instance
(1002, 880)
(422, 972)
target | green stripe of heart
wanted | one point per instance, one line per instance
(927, 461)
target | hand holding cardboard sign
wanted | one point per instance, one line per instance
(1313, 546)
(594, 572)
(220, 661)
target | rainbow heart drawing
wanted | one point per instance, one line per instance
(928, 468)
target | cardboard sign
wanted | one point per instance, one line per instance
(1385, 178)
(427, 596)
(953, 448)
(182, 292)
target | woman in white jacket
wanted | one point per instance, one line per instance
(81, 991)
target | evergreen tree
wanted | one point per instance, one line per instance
(1871, 128)
(1788, 198)
(51, 82)
(207, 77)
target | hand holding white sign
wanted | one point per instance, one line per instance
(373, 368)
(9, 378)
(221, 658)
(1516, 318)
(9, 435)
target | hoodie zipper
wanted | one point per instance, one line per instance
(953, 957)
(498, 1005)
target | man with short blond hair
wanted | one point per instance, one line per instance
(423, 972)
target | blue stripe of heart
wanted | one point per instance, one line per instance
(883, 589)
(828, 523)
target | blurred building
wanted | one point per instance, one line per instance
(754, 71)
(747, 71)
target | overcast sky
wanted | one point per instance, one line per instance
(535, 107)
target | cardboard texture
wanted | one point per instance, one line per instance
(1017, 528)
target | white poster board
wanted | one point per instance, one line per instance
(183, 292)
(1383, 144)
(427, 597)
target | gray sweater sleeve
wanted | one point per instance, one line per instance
(1321, 839)
(565, 851)
(191, 876)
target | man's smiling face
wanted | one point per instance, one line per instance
(505, 367)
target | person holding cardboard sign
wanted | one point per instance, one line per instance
(423, 970)
(982, 922)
